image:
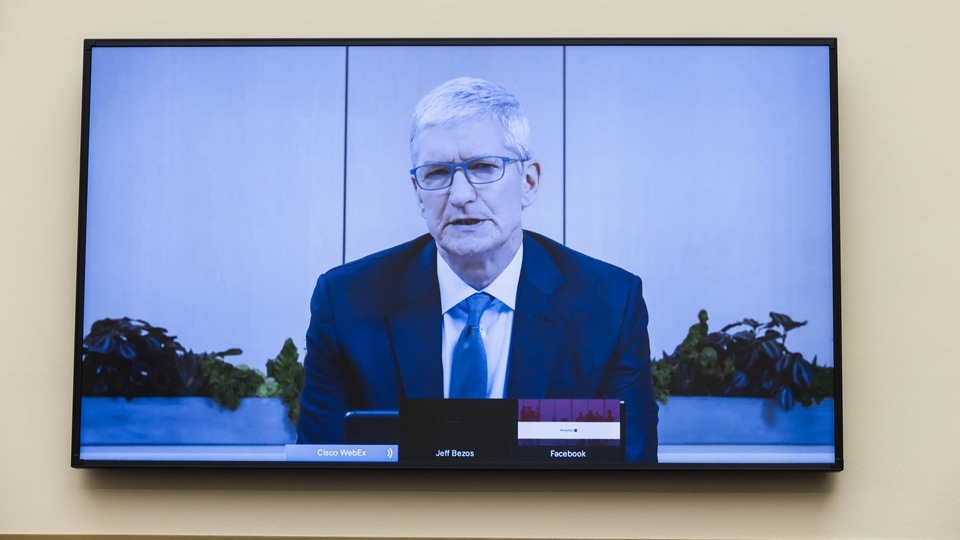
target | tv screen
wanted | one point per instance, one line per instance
(535, 254)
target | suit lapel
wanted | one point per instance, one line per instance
(538, 324)
(415, 328)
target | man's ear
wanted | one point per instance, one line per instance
(416, 193)
(531, 182)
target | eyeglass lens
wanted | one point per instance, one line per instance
(482, 170)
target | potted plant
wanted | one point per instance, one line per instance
(741, 385)
(136, 378)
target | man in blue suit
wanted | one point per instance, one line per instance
(478, 307)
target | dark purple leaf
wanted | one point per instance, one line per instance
(786, 398)
(101, 345)
(783, 363)
(803, 373)
(785, 321)
(771, 349)
(126, 350)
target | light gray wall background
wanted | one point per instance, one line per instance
(899, 82)
(215, 191)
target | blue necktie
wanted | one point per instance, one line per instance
(468, 374)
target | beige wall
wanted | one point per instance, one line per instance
(900, 112)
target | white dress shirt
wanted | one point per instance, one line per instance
(496, 323)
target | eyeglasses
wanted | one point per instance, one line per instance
(480, 170)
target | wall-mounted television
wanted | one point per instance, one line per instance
(459, 253)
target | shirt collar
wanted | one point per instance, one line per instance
(454, 290)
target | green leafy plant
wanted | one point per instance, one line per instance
(662, 376)
(288, 374)
(747, 359)
(131, 358)
(228, 384)
(696, 361)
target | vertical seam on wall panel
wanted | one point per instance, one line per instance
(346, 108)
(563, 184)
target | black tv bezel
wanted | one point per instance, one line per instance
(90, 44)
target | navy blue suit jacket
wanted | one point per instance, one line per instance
(579, 331)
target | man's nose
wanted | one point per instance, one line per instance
(461, 190)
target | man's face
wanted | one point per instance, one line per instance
(479, 222)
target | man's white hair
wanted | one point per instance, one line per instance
(468, 98)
